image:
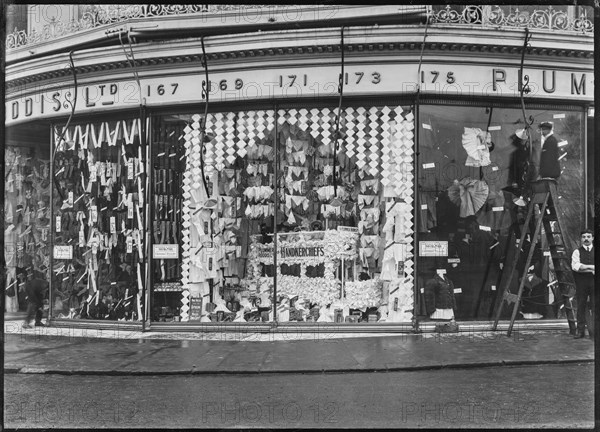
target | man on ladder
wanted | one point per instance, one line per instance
(582, 263)
(542, 212)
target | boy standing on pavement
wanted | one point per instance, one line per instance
(582, 263)
(35, 290)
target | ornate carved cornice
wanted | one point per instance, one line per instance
(359, 48)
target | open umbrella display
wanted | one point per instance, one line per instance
(469, 194)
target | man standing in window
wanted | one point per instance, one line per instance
(549, 164)
(582, 263)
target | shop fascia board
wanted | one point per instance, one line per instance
(304, 38)
(223, 22)
(299, 38)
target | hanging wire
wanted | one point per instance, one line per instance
(65, 128)
(524, 88)
(339, 113)
(205, 92)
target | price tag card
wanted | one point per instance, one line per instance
(70, 198)
(547, 253)
(129, 244)
(494, 128)
(423, 206)
(453, 260)
(563, 143)
(428, 165)
(495, 168)
(441, 271)
(559, 116)
(94, 214)
(498, 209)
(130, 173)
(422, 290)
(63, 252)
(426, 126)
(484, 228)
(113, 224)
(493, 287)
(93, 173)
(58, 223)
(457, 290)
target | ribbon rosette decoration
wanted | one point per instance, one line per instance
(469, 194)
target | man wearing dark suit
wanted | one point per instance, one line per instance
(582, 263)
(35, 288)
(549, 164)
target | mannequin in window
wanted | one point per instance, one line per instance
(439, 297)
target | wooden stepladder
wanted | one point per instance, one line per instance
(543, 207)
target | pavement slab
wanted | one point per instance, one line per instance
(44, 353)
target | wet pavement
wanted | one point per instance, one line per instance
(66, 351)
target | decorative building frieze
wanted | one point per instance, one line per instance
(305, 50)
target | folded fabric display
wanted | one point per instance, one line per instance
(258, 193)
(367, 201)
(325, 193)
(360, 294)
(402, 290)
(295, 202)
(469, 194)
(296, 173)
(476, 143)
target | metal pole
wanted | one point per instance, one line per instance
(276, 170)
(52, 226)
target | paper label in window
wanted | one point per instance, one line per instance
(58, 223)
(457, 290)
(559, 116)
(63, 252)
(494, 128)
(426, 126)
(428, 165)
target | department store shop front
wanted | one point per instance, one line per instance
(198, 246)
(252, 217)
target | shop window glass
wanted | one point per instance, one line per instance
(468, 184)
(27, 220)
(98, 228)
(344, 249)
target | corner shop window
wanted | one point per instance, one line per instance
(27, 220)
(99, 222)
(344, 249)
(466, 193)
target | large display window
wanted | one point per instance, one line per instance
(27, 220)
(98, 227)
(473, 170)
(272, 211)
